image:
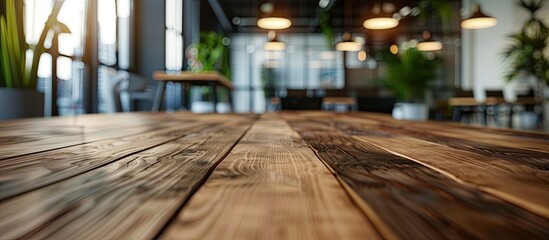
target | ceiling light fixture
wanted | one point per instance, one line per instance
(429, 44)
(274, 44)
(347, 43)
(323, 3)
(273, 19)
(478, 19)
(380, 19)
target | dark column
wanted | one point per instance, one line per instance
(90, 58)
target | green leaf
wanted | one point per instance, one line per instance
(6, 68)
(13, 43)
(409, 74)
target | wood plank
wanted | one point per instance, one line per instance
(132, 198)
(34, 136)
(535, 159)
(22, 174)
(492, 136)
(509, 178)
(271, 186)
(408, 200)
(182, 76)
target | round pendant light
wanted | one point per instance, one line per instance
(274, 23)
(274, 44)
(347, 44)
(478, 19)
(380, 20)
(429, 44)
(272, 17)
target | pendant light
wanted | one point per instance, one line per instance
(348, 44)
(380, 19)
(272, 18)
(478, 19)
(428, 44)
(274, 44)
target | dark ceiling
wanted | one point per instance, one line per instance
(241, 15)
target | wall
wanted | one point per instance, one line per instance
(482, 66)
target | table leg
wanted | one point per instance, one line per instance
(159, 96)
(485, 113)
(231, 99)
(186, 89)
(214, 95)
(456, 115)
(511, 115)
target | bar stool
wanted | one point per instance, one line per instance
(338, 97)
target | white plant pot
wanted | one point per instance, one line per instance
(528, 120)
(411, 111)
(208, 107)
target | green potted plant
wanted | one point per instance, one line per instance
(528, 53)
(18, 75)
(211, 53)
(408, 76)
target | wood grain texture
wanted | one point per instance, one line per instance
(408, 200)
(130, 198)
(271, 186)
(33, 136)
(483, 135)
(25, 173)
(504, 175)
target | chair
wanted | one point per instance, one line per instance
(296, 93)
(376, 104)
(524, 103)
(464, 105)
(273, 104)
(300, 103)
(129, 88)
(494, 101)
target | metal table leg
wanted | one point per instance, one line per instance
(159, 96)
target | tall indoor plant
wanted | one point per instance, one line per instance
(408, 76)
(528, 51)
(19, 75)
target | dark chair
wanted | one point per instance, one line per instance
(297, 103)
(466, 108)
(376, 104)
(494, 100)
(296, 93)
(336, 93)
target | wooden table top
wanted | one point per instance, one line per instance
(471, 101)
(192, 76)
(289, 175)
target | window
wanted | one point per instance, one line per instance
(174, 35)
(69, 65)
(305, 64)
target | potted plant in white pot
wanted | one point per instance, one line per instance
(211, 54)
(19, 75)
(528, 53)
(408, 75)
